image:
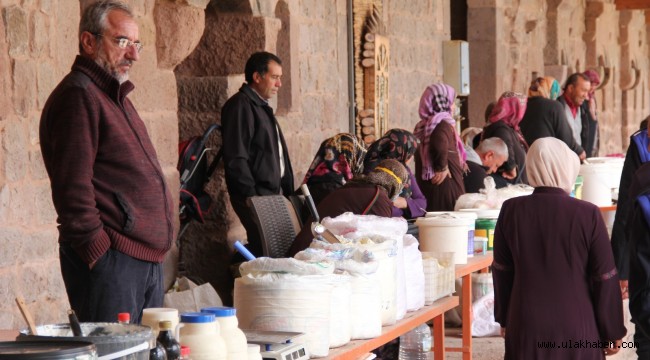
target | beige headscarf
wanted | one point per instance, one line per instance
(550, 162)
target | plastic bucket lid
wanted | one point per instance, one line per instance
(109, 338)
(54, 350)
(445, 220)
(463, 214)
(483, 213)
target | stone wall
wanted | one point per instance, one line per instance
(38, 43)
(179, 97)
(416, 32)
(576, 35)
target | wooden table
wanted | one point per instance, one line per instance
(475, 263)
(357, 348)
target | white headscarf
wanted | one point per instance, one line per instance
(550, 162)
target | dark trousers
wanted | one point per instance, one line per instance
(117, 283)
(245, 215)
(643, 345)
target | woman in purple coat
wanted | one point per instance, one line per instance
(556, 287)
(400, 145)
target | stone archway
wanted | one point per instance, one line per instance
(206, 79)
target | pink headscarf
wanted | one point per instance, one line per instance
(510, 109)
(593, 76)
(435, 107)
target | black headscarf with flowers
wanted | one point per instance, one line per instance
(338, 159)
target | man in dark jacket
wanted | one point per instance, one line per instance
(545, 118)
(576, 91)
(256, 159)
(115, 212)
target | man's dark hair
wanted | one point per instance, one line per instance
(573, 80)
(259, 63)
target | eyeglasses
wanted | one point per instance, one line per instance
(124, 43)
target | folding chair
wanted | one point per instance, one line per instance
(277, 222)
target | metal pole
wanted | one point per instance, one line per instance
(351, 103)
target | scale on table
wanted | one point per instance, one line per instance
(278, 345)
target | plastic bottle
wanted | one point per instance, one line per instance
(416, 344)
(185, 353)
(165, 337)
(157, 352)
(254, 352)
(124, 318)
(234, 338)
(200, 332)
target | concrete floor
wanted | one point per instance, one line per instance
(492, 348)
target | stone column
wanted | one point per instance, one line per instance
(486, 47)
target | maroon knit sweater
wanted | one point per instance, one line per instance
(107, 185)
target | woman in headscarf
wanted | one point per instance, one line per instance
(504, 124)
(590, 108)
(370, 194)
(337, 161)
(554, 275)
(546, 87)
(440, 161)
(545, 117)
(400, 145)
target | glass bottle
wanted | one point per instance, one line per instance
(165, 337)
(124, 318)
(157, 352)
(416, 344)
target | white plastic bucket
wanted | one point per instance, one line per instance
(445, 233)
(601, 176)
(470, 228)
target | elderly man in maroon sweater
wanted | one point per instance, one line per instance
(115, 212)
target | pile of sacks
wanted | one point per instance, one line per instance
(335, 293)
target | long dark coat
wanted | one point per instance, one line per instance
(554, 278)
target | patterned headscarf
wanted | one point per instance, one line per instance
(510, 109)
(396, 144)
(338, 159)
(546, 87)
(435, 107)
(550, 162)
(389, 174)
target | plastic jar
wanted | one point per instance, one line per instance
(200, 332)
(254, 352)
(485, 228)
(234, 338)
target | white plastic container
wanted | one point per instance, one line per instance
(254, 352)
(470, 228)
(601, 176)
(153, 316)
(445, 233)
(200, 332)
(234, 338)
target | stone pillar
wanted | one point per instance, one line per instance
(485, 36)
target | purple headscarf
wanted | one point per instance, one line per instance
(435, 107)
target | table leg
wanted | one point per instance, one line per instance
(467, 317)
(439, 337)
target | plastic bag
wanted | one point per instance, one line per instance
(483, 323)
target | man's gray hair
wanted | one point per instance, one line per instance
(494, 144)
(94, 17)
